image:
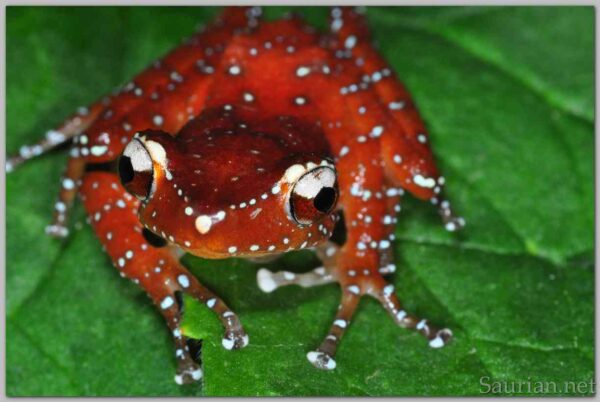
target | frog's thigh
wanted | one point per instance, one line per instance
(154, 266)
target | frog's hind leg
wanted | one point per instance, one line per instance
(68, 129)
(149, 261)
(132, 94)
(405, 146)
(101, 130)
(71, 127)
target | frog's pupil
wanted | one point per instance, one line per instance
(125, 169)
(325, 199)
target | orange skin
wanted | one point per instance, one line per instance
(223, 129)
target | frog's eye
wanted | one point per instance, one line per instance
(136, 170)
(314, 195)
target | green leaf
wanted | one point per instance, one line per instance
(507, 93)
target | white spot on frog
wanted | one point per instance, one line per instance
(183, 280)
(422, 181)
(265, 280)
(166, 302)
(203, 224)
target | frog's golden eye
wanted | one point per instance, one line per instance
(314, 195)
(136, 170)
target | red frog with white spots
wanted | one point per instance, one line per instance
(252, 139)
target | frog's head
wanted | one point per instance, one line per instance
(227, 187)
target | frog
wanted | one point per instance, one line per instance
(252, 139)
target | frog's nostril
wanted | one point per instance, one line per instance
(125, 169)
(325, 199)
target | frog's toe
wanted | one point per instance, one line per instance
(451, 222)
(188, 374)
(441, 338)
(269, 281)
(321, 360)
(436, 338)
(265, 280)
(235, 340)
(455, 223)
(57, 231)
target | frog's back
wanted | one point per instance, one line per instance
(282, 68)
(222, 158)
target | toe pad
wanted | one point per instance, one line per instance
(321, 360)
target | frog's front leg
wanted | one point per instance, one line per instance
(359, 264)
(358, 267)
(149, 261)
(269, 281)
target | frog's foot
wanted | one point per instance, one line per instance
(373, 285)
(370, 282)
(188, 369)
(269, 281)
(188, 373)
(172, 281)
(71, 128)
(355, 284)
(188, 365)
(323, 357)
(234, 337)
(169, 299)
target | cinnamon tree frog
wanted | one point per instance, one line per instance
(252, 139)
